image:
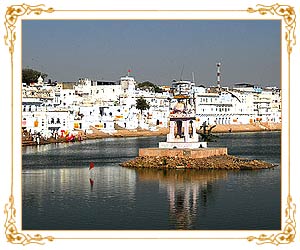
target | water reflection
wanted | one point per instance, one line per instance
(187, 191)
(57, 194)
(44, 148)
(58, 186)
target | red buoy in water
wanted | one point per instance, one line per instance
(91, 165)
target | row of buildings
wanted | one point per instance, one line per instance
(105, 105)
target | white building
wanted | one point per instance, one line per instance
(105, 104)
(243, 104)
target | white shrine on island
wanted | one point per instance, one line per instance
(182, 140)
(182, 132)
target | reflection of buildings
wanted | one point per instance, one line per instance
(183, 200)
(58, 175)
(187, 190)
(118, 182)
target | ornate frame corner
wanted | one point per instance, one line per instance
(11, 231)
(289, 16)
(11, 17)
(289, 231)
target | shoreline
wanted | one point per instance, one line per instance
(124, 133)
(255, 127)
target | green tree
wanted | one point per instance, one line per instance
(149, 86)
(31, 75)
(142, 104)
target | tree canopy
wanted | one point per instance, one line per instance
(149, 86)
(142, 104)
(31, 75)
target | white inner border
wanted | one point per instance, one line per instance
(132, 5)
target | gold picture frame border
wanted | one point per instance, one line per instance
(286, 12)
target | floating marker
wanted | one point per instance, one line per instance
(92, 165)
(91, 173)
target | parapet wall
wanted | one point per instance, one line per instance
(192, 153)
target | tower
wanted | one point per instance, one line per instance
(219, 76)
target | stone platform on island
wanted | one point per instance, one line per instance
(183, 152)
(181, 145)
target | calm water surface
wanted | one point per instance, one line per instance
(57, 193)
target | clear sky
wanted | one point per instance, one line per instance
(155, 50)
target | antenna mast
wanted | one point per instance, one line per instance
(181, 72)
(219, 76)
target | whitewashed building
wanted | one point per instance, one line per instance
(107, 104)
(243, 104)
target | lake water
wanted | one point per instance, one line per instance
(57, 193)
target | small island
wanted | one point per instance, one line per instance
(183, 148)
(221, 162)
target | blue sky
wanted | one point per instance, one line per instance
(155, 50)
